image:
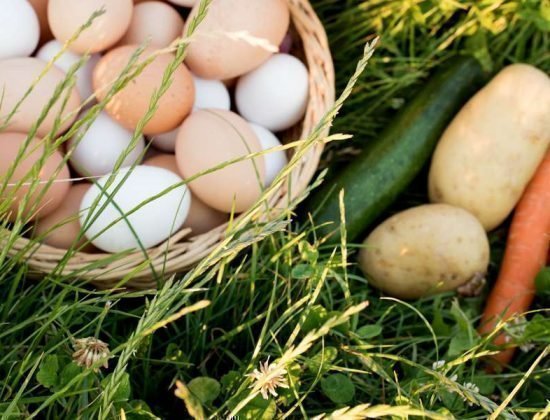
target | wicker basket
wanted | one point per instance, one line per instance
(183, 251)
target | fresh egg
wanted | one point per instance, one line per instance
(155, 22)
(19, 29)
(66, 17)
(53, 175)
(16, 77)
(68, 59)
(209, 138)
(100, 147)
(215, 53)
(275, 94)
(274, 161)
(166, 141)
(41, 9)
(131, 104)
(210, 94)
(61, 228)
(121, 221)
(201, 218)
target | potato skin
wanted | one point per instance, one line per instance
(492, 148)
(425, 250)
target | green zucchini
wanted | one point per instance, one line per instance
(387, 165)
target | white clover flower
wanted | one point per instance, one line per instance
(268, 382)
(90, 351)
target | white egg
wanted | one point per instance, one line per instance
(98, 151)
(68, 59)
(275, 94)
(211, 94)
(274, 161)
(19, 29)
(129, 219)
(166, 141)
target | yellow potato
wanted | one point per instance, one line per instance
(493, 146)
(425, 250)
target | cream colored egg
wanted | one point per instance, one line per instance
(61, 229)
(155, 22)
(201, 218)
(217, 50)
(132, 103)
(41, 196)
(425, 250)
(209, 138)
(66, 17)
(16, 77)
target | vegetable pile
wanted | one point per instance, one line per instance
(484, 159)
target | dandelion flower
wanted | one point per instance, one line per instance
(269, 377)
(89, 352)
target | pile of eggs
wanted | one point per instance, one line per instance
(107, 188)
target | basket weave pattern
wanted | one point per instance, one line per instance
(182, 251)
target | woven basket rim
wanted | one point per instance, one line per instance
(182, 251)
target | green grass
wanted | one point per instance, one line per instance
(286, 297)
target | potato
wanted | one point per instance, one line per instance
(425, 250)
(493, 146)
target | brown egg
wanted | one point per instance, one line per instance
(16, 77)
(44, 198)
(41, 9)
(213, 55)
(156, 22)
(132, 103)
(66, 17)
(61, 228)
(209, 138)
(201, 218)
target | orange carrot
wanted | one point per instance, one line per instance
(525, 255)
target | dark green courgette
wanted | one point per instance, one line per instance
(388, 164)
